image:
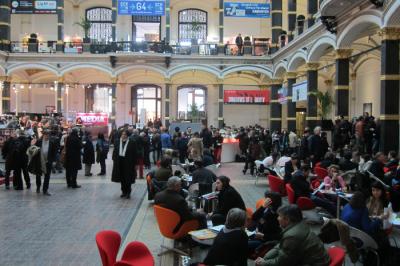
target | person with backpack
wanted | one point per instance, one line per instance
(102, 148)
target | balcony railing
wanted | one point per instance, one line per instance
(49, 47)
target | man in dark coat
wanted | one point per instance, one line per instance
(206, 135)
(171, 198)
(88, 154)
(10, 157)
(73, 146)
(48, 152)
(239, 44)
(125, 158)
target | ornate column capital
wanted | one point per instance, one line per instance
(275, 82)
(353, 76)
(114, 79)
(220, 81)
(312, 66)
(168, 81)
(343, 53)
(60, 79)
(328, 82)
(390, 33)
(5, 78)
(291, 75)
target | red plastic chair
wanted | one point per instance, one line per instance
(337, 256)
(276, 184)
(320, 172)
(136, 253)
(108, 243)
(303, 202)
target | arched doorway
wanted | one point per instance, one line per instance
(146, 103)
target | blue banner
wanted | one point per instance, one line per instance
(141, 7)
(247, 10)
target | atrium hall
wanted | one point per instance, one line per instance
(222, 64)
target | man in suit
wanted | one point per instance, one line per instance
(170, 198)
(48, 152)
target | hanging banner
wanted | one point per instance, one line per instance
(92, 119)
(141, 7)
(246, 97)
(33, 7)
(247, 10)
(300, 92)
(282, 95)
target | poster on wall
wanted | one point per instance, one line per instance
(247, 10)
(92, 119)
(33, 7)
(261, 97)
(141, 7)
(300, 92)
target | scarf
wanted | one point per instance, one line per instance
(122, 151)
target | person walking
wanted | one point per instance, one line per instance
(102, 148)
(73, 146)
(88, 154)
(124, 158)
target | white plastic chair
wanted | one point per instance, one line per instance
(368, 243)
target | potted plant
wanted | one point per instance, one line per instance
(86, 25)
(325, 102)
(194, 113)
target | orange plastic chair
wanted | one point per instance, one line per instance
(108, 243)
(167, 221)
(276, 184)
(337, 256)
(320, 172)
(260, 203)
(136, 253)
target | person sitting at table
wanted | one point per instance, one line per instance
(302, 188)
(377, 201)
(208, 159)
(333, 180)
(377, 165)
(298, 245)
(346, 164)
(291, 166)
(228, 198)
(163, 173)
(204, 177)
(356, 214)
(265, 219)
(328, 160)
(230, 245)
(172, 199)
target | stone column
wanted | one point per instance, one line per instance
(342, 82)
(114, 83)
(221, 46)
(276, 107)
(167, 103)
(221, 104)
(60, 26)
(5, 20)
(390, 85)
(168, 20)
(6, 94)
(58, 96)
(312, 103)
(312, 9)
(114, 21)
(291, 106)
(291, 19)
(276, 12)
(353, 86)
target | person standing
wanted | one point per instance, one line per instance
(48, 152)
(166, 142)
(88, 154)
(315, 146)
(195, 147)
(73, 146)
(217, 143)
(10, 157)
(102, 147)
(124, 158)
(239, 44)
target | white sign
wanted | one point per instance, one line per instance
(300, 92)
(45, 5)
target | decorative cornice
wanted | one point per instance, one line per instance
(390, 77)
(275, 82)
(390, 33)
(291, 75)
(312, 66)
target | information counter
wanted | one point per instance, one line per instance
(230, 148)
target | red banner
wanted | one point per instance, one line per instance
(246, 96)
(92, 119)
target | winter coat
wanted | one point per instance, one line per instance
(128, 166)
(196, 148)
(88, 152)
(73, 153)
(34, 161)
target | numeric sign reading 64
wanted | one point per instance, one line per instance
(141, 7)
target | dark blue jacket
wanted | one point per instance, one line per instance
(359, 218)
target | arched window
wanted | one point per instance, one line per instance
(192, 25)
(191, 98)
(146, 103)
(101, 19)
